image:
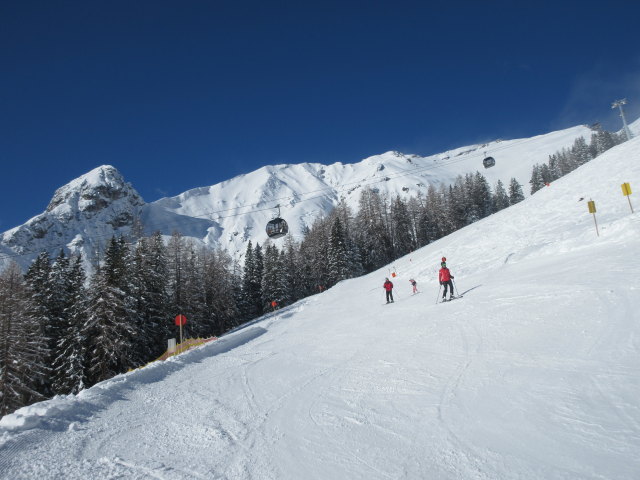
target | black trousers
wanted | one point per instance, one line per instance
(389, 296)
(446, 284)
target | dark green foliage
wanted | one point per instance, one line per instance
(515, 192)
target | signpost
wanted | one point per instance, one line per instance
(626, 191)
(592, 209)
(181, 320)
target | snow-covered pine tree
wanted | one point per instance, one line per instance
(372, 233)
(110, 320)
(59, 304)
(258, 258)
(69, 367)
(270, 284)
(313, 267)
(581, 151)
(457, 204)
(403, 237)
(22, 345)
(220, 287)
(337, 253)
(515, 192)
(38, 285)
(247, 306)
(481, 195)
(151, 277)
(175, 270)
(536, 180)
(501, 199)
(194, 295)
(291, 277)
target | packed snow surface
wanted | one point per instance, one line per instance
(533, 374)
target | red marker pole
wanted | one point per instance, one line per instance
(181, 320)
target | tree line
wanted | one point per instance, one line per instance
(62, 330)
(568, 159)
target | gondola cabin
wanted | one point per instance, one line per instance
(489, 162)
(277, 228)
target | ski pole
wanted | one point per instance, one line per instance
(439, 287)
(456, 287)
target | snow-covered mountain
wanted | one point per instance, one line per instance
(80, 218)
(533, 374)
(85, 213)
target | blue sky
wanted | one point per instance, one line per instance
(178, 95)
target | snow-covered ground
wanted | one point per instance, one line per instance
(534, 374)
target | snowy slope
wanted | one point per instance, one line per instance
(534, 374)
(231, 213)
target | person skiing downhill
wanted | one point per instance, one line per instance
(388, 286)
(414, 284)
(445, 280)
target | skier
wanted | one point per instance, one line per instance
(445, 280)
(414, 284)
(388, 286)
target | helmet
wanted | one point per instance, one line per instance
(444, 259)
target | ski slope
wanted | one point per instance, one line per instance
(534, 374)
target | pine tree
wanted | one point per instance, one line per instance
(481, 195)
(175, 271)
(515, 192)
(39, 309)
(270, 285)
(501, 199)
(221, 289)
(581, 151)
(194, 294)
(403, 236)
(536, 181)
(22, 345)
(257, 278)
(247, 307)
(337, 254)
(70, 364)
(291, 275)
(457, 206)
(108, 325)
(372, 234)
(59, 304)
(151, 278)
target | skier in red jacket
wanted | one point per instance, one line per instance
(388, 286)
(445, 280)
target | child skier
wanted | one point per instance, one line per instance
(445, 280)
(414, 285)
(388, 286)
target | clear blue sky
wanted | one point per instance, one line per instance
(181, 94)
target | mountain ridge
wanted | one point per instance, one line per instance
(83, 214)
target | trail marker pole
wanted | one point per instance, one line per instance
(181, 320)
(626, 191)
(592, 209)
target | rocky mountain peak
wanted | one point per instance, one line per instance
(95, 191)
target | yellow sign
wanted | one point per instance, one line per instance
(592, 206)
(626, 189)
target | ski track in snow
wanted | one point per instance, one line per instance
(534, 374)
